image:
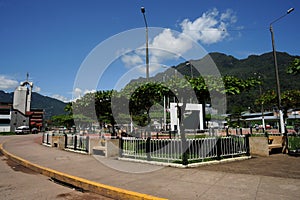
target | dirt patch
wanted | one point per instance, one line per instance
(82, 196)
(276, 165)
(19, 168)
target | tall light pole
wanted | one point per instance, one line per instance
(147, 51)
(188, 63)
(281, 120)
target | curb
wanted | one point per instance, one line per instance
(105, 190)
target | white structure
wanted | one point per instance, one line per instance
(189, 108)
(22, 97)
(5, 118)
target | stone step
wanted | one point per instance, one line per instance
(99, 150)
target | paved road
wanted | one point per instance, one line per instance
(18, 182)
(240, 180)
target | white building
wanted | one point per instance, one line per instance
(5, 117)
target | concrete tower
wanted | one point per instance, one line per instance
(22, 96)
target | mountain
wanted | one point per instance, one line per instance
(50, 105)
(6, 97)
(259, 66)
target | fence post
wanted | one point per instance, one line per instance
(241, 131)
(185, 150)
(87, 143)
(148, 143)
(247, 145)
(75, 142)
(227, 131)
(219, 148)
(66, 140)
(47, 138)
(285, 144)
(121, 147)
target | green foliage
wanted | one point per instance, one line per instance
(239, 83)
(7, 133)
(61, 120)
(293, 142)
(289, 99)
(262, 65)
(294, 67)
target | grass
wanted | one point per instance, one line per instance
(7, 133)
(293, 143)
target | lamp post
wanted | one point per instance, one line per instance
(188, 63)
(147, 51)
(281, 120)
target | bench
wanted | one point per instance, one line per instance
(106, 147)
(276, 142)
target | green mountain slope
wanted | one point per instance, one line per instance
(254, 66)
(50, 105)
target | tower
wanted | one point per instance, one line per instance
(22, 96)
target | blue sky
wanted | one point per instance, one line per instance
(52, 39)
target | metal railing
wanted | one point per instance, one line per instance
(47, 138)
(76, 142)
(170, 150)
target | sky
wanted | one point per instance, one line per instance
(70, 47)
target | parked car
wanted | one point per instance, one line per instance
(22, 130)
(34, 130)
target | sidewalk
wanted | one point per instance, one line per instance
(238, 180)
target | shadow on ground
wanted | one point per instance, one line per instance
(276, 165)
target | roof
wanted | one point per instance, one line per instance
(260, 118)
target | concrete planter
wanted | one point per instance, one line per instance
(259, 146)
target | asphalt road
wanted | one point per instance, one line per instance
(18, 182)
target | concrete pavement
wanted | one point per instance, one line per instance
(156, 181)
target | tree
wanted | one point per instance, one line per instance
(294, 67)
(62, 120)
(289, 99)
(144, 98)
(103, 107)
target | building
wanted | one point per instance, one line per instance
(5, 117)
(22, 114)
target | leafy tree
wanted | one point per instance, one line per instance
(68, 108)
(103, 108)
(62, 120)
(144, 98)
(289, 99)
(294, 67)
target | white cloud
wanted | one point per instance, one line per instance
(36, 89)
(167, 46)
(207, 29)
(78, 93)
(61, 98)
(7, 83)
(210, 27)
(132, 60)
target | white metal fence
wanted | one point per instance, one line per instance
(47, 138)
(168, 150)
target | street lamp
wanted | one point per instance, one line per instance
(191, 68)
(147, 51)
(281, 121)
